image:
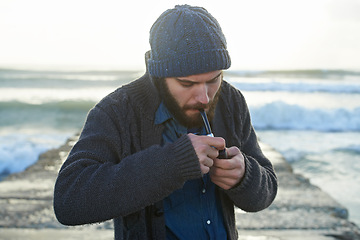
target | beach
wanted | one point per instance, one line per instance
(300, 210)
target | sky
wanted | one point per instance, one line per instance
(113, 34)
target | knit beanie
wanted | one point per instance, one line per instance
(186, 40)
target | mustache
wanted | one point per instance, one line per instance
(197, 106)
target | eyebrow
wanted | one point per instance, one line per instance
(189, 81)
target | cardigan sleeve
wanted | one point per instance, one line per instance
(106, 176)
(258, 188)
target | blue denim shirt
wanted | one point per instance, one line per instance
(194, 211)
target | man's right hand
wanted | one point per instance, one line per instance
(207, 149)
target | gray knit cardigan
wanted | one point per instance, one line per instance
(118, 169)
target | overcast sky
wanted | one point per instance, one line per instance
(261, 34)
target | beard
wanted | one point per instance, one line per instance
(178, 112)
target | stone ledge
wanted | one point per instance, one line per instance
(300, 210)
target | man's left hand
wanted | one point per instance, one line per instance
(226, 173)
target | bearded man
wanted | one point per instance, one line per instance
(144, 157)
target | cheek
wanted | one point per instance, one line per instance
(182, 97)
(213, 90)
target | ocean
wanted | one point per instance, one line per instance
(312, 117)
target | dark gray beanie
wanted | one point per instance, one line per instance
(185, 41)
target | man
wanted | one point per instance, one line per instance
(143, 157)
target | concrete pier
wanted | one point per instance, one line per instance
(300, 211)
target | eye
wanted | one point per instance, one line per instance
(186, 84)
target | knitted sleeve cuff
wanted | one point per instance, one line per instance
(186, 159)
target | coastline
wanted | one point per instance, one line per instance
(300, 210)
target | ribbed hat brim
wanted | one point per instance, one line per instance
(190, 64)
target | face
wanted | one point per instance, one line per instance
(185, 96)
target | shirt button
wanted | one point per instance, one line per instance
(159, 212)
(204, 190)
(208, 222)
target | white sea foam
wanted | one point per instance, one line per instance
(296, 85)
(280, 115)
(18, 150)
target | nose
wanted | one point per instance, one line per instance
(202, 94)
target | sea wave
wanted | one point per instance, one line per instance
(58, 105)
(280, 115)
(19, 150)
(301, 73)
(266, 84)
(60, 115)
(37, 96)
(351, 149)
(64, 79)
(276, 115)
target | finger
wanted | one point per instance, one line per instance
(204, 169)
(233, 151)
(206, 161)
(227, 174)
(225, 183)
(205, 164)
(205, 150)
(212, 153)
(216, 142)
(228, 164)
